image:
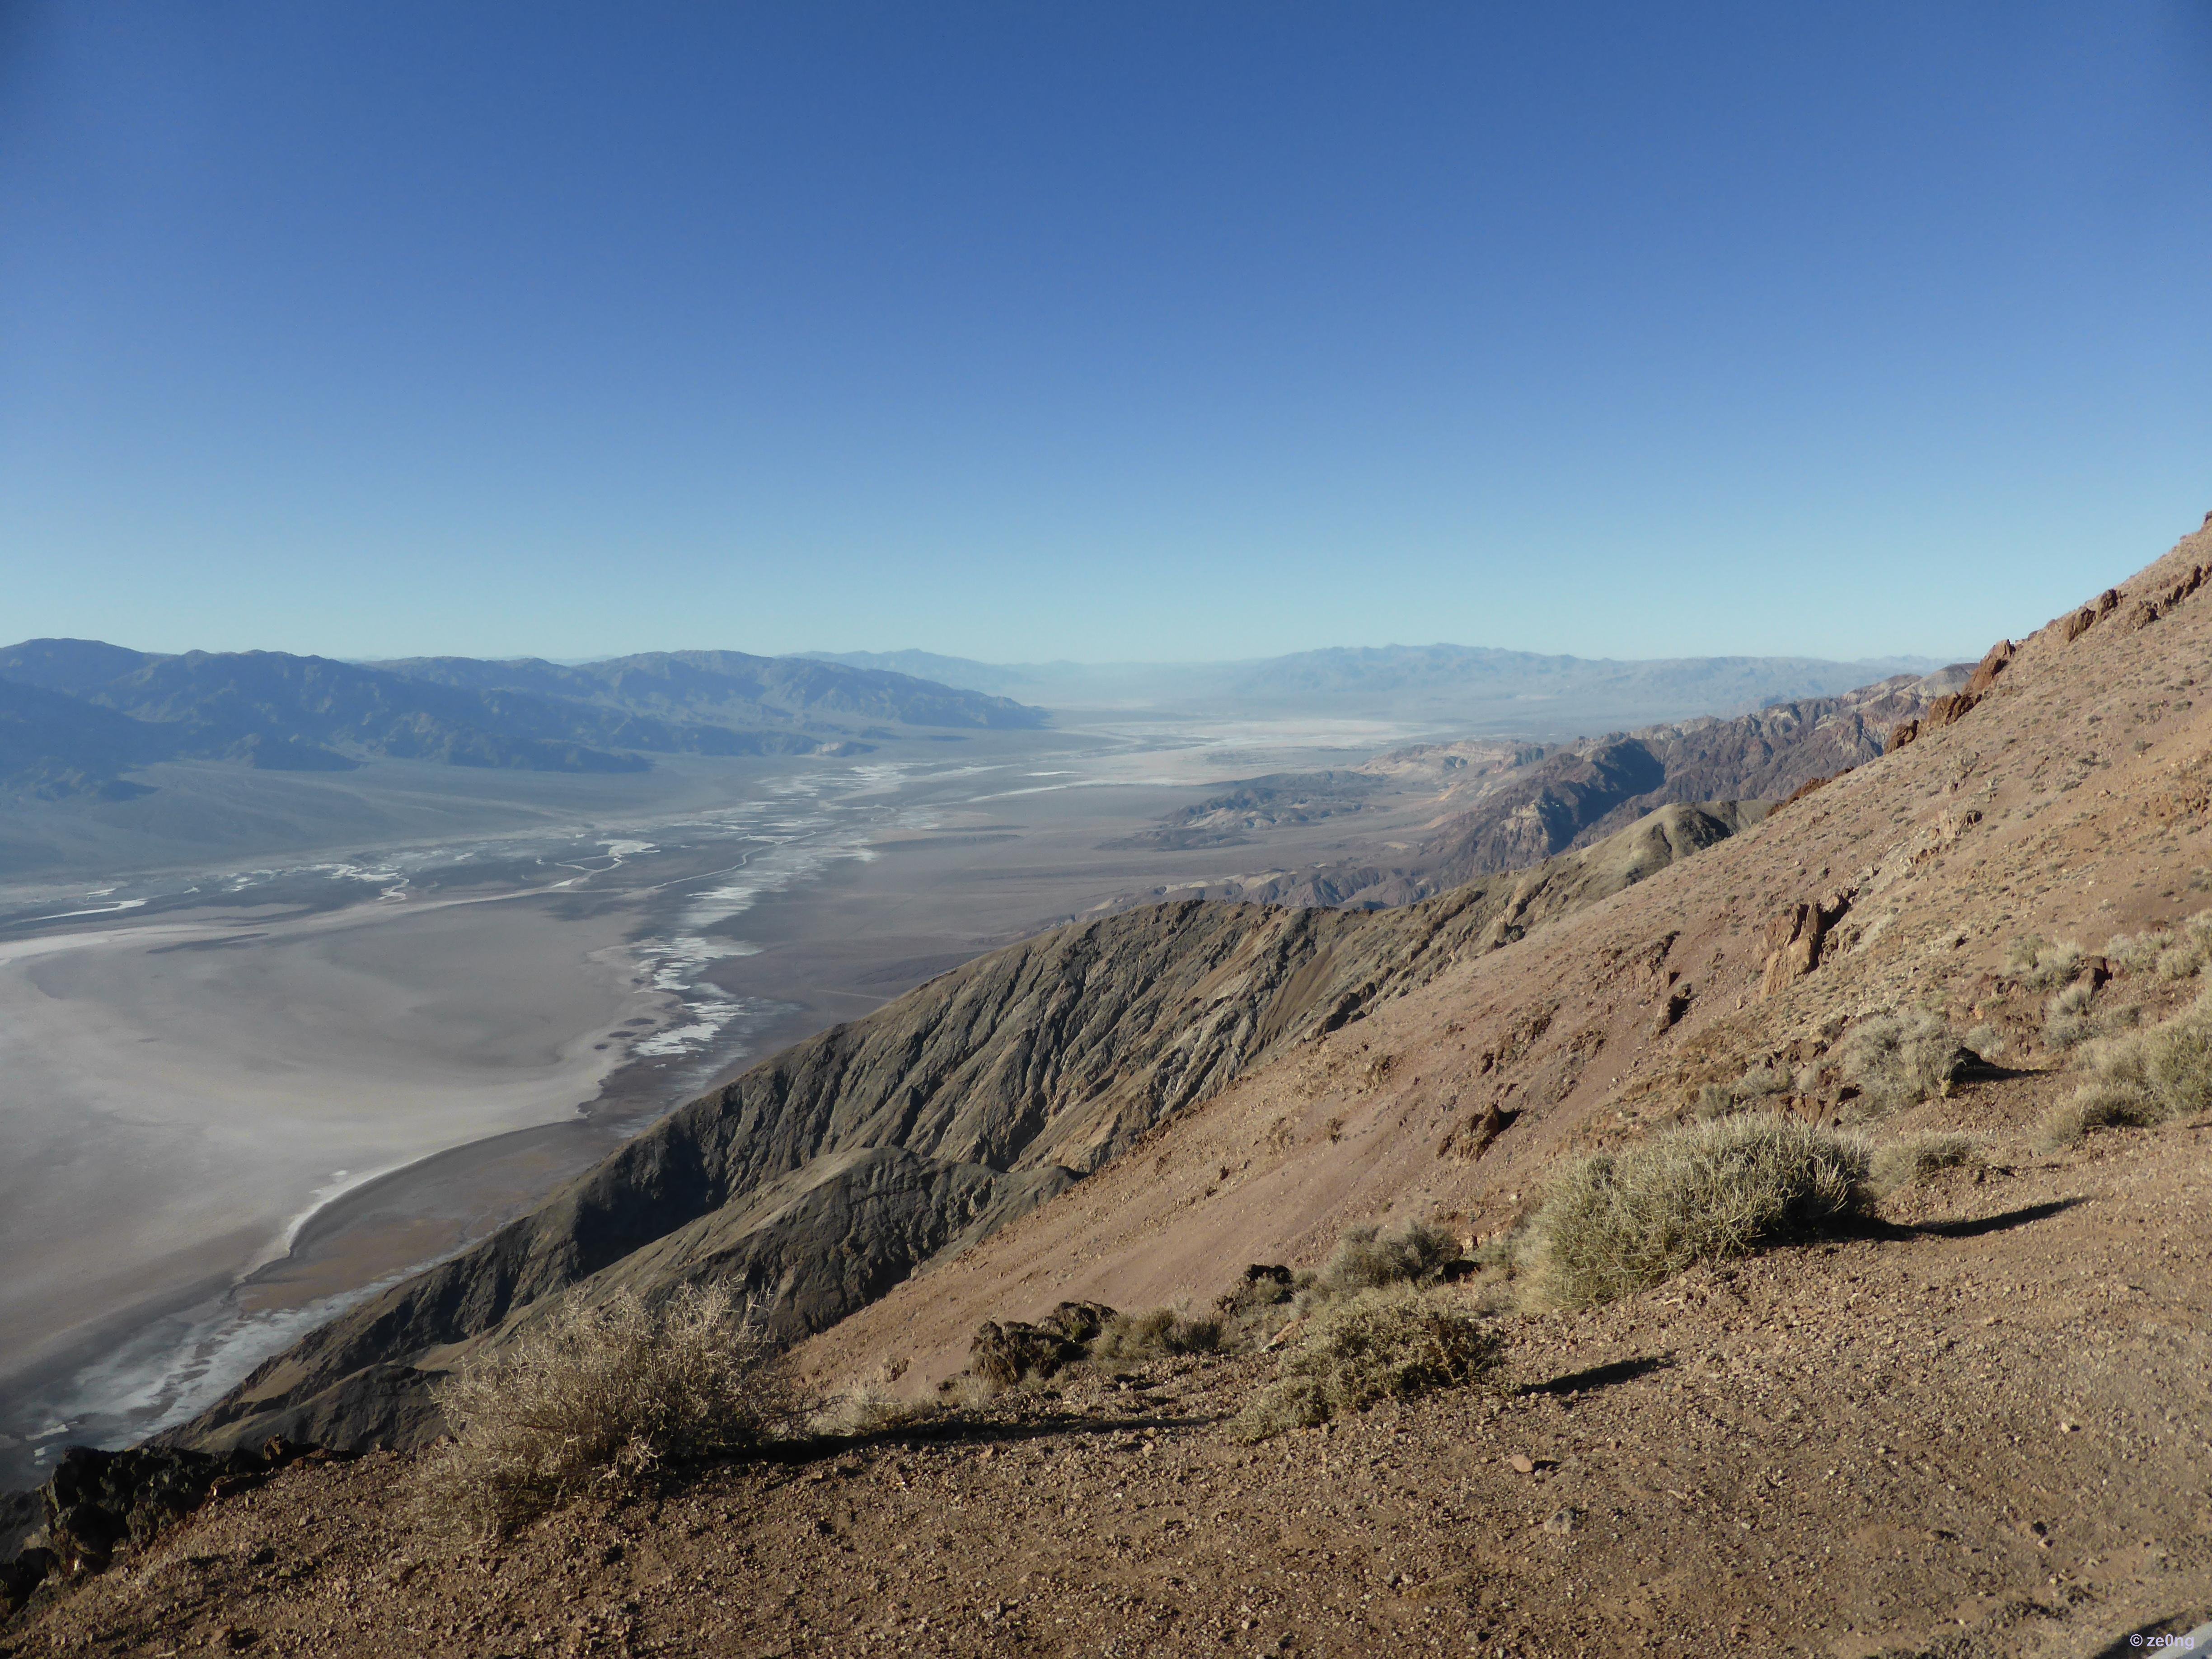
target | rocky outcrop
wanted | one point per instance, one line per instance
(1986, 672)
(1002, 1354)
(97, 1504)
(827, 1174)
(1795, 939)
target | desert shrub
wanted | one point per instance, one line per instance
(600, 1396)
(2066, 1019)
(1764, 1082)
(2141, 1079)
(2139, 952)
(1368, 1259)
(1899, 1062)
(2042, 966)
(1907, 1163)
(1160, 1331)
(1616, 1221)
(870, 1409)
(1986, 1041)
(2099, 1105)
(1255, 1297)
(1715, 1101)
(1386, 1344)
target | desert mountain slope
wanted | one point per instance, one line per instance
(1502, 805)
(275, 710)
(829, 1173)
(731, 686)
(2069, 797)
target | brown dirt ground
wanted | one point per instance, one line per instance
(1851, 1447)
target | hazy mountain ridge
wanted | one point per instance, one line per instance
(1480, 687)
(59, 735)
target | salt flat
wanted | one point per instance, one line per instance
(177, 1094)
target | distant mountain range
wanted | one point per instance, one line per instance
(75, 714)
(1474, 687)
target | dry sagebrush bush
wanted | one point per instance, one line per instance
(2041, 966)
(2141, 1079)
(2066, 1021)
(1366, 1258)
(1161, 1331)
(1389, 1344)
(1899, 1061)
(1907, 1163)
(600, 1395)
(1617, 1222)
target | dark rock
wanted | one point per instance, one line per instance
(1003, 1354)
(97, 1503)
(1904, 732)
(1078, 1322)
(19, 1577)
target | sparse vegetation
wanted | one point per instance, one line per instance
(2177, 953)
(2141, 1079)
(1899, 1062)
(1392, 1343)
(1161, 1331)
(2066, 1020)
(2041, 966)
(1617, 1222)
(1907, 1163)
(600, 1395)
(1368, 1259)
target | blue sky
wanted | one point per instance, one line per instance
(1100, 331)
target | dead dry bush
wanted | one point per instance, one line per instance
(1908, 1163)
(2066, 1021)
(599, 1396)
(2141, 1079)
(1899, 1060)
(1388, 1344)
(1617, 1222)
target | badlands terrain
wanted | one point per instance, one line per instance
(1973, 1421)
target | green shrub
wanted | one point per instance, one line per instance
(1618, 1222)
(1389, 1344)
(596, 1396)
(1898, 1062)
(1907, 1163)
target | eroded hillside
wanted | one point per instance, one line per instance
(827, 1174)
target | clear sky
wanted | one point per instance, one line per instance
(1103, 330)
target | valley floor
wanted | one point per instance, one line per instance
(1979, 1427)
